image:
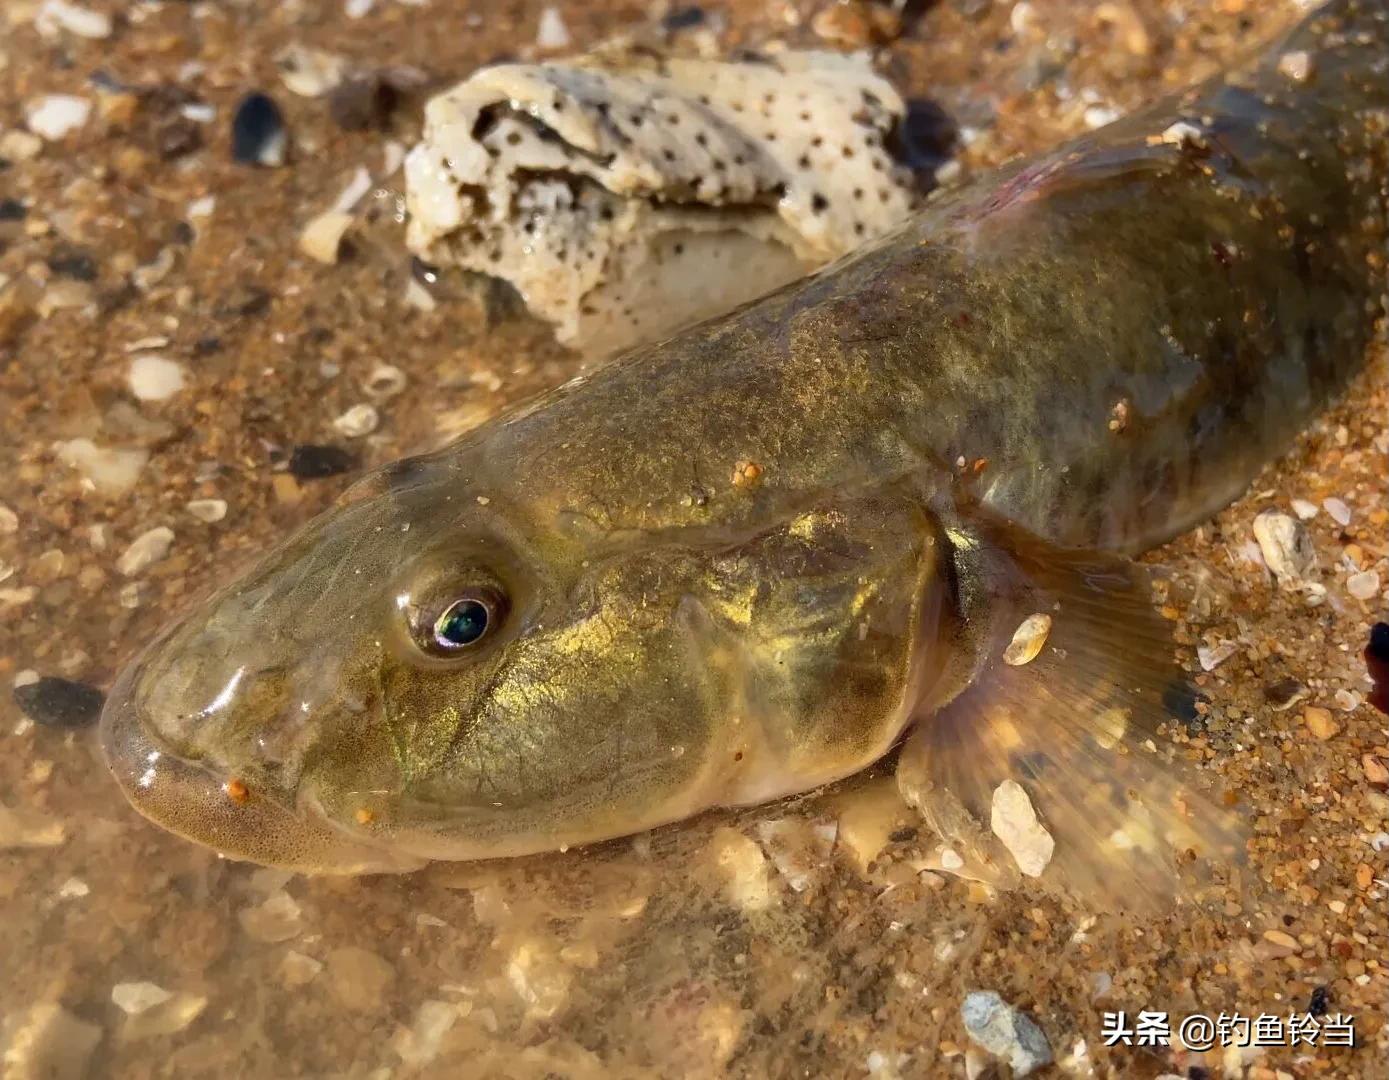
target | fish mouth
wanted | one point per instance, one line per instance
(197, 802)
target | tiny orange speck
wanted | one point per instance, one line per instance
(365, 815)
(237, 791)
(747, 474)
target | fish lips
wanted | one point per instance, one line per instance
(241, 821)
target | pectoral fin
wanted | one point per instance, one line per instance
(1058, 760)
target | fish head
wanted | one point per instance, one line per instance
(424, 674)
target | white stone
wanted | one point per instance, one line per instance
(1028, 640)
(1285, 545)
(552, 33)
(1014, 821)
(1212, 656)
(1339, 511)
(110, 471)
(208, 510)
(1305, 510)
(1005, 1032)
(384, 382)
(145, 550)
(57, 15)
(277, 918)
(155, 378)
(1364, 585)
(322, 237)
(55, 116)
(134, 998)
(357, 421)
(310, 72)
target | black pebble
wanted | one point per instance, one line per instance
(259, 136)
(60, 703)
(363, 103)
(1320, 1002)
(902, 835)
(310, 462)
(12, 210)
(683, 18)
(73, 264)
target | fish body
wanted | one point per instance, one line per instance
(746, 561)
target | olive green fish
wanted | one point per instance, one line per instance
(888, 504)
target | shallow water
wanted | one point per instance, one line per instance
(808, 938)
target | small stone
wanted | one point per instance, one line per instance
(1363, 586)
(1339, 511)
(1211, 657)
(24, 828)
(854, 24)
(54, 702)
(1184, 134)
(1281, 943)
(1347, 700)
(277, 918)
(164, 1018)
(310, 72)
(420, 1043)
(55, 116)
(46, 1042)
(1296, 66)
(359, 979)
(1305, 510)
(259, 136)
(950, 859)
(134, 998)
(57, 15)
(9, 521)
(357, 421)
(385, 382)
(145, 550)
(1320, 722)
(1376, 771)
(363, 103)
(321, 239)
(110, 471)
(296, 969)
(74, 889)
(1014, 821)
(1028, 640)
(1005, 1032)
(20, 145)
(552, 33)
(1285, 545)
(310, 461)
(154, 378)
(208, 510)
(742, 866)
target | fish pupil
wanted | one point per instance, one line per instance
(461, 624)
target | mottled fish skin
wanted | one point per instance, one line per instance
(727, 557)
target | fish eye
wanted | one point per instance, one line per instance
(461, 622)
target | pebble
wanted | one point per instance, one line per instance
(310, 72)
(1028, 640)
(1285, 545)
(1014, 821)
(1296, 66)
(9, 521)
(297, 969)
(1364, 585)
(24, 828)
(208, 510)
(552, 34)
(1005, 1032)
(1305, 510)
(1339, 511)
(1184, 134)
(57, 15)
(59, 703)
(74, 889)
(1376, 771)
(1212, 656)
(321, 239)
(385, 382)
(133, 998)
(259, 136)
(46, 1041)
(311, 461)
(166, 1018)
(155, 378)
(55, 116)
(1320, 722)
(359, 979)
(277, 918)
(20, 145)
(420, 1043)
(111, 471)
(357, 421)
(145, 550)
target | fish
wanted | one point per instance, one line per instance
(892, 507)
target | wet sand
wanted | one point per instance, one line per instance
(798, 939)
